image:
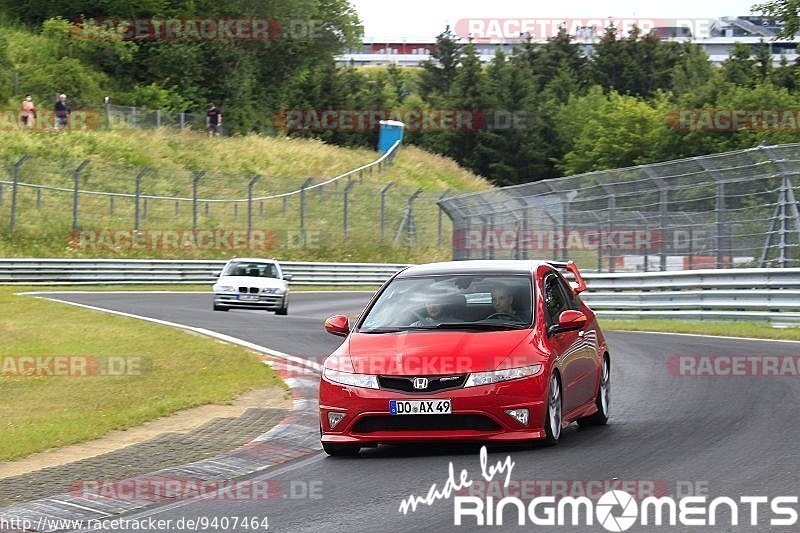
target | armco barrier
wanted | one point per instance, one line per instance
(754, 294)
(151, 272)
(771, 295)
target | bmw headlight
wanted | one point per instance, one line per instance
(366, 381)
(487, 378)
(224, 288)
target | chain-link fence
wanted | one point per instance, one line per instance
(717, 211)
(103, 206)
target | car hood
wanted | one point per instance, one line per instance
(245, 281)
(429, 352)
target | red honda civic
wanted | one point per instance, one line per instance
(497, 351)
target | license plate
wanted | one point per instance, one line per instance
(420, 407)
(248, 297)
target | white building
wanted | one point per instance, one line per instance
(715, 36)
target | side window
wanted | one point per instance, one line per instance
(554, 301)
(572, 302)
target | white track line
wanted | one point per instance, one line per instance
(201, 331)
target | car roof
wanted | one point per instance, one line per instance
(474, 267)
(253, 260)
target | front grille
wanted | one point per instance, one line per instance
(435, 384)
(373, 424)
(251, 290)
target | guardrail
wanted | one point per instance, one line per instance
(753, 294)
(771, 295)
(160, 272)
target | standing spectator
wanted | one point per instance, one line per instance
(213, 120)
(62, 112)
(28, 111)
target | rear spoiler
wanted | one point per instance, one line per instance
(579, 285)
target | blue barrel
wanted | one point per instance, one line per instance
(390, 132)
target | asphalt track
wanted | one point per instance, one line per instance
(737, 436)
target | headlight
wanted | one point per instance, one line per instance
(365, 381)
(487, 378)
(272, 290)
(224, 288)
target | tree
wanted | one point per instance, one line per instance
(787, 11)
(439, 74)
(740, 67)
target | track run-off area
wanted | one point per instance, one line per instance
(731, 436)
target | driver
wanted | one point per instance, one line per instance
(436, 314)
(503, 301)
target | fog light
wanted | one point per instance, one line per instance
(335, 418)
(521, 415)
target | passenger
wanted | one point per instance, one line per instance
(437, 313)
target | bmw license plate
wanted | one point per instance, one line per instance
(248, 297)
(420, 407)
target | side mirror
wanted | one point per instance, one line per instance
(287, 277)
(338, 325)
(217, 274)
(569, 320)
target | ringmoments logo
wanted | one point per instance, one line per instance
(615, 510)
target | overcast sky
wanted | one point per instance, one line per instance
(427, 18)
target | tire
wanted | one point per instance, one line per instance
(603, 400)
(340, 450)
(220, 308)
(283, 311)
(553, 413)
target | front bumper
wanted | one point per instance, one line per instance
(270, 302)
(478, 414)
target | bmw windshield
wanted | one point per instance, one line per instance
(469, 302)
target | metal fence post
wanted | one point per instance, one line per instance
(75, 184)
(439, 227)
(197, 175)
(38, 198)
(138, 196)
(303, 211)
(158, 118)
(250, 185)
(182, 119)
(144, 209)
(408, 224)
(719, 222)
(346, 193)
(110, 205)
(384, 190)
(133, 116)
(14, 185)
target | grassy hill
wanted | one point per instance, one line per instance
(43, 225)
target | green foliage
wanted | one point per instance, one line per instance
(545, 110)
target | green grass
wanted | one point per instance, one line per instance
(726, 329)
(182, 370)
(284, 164)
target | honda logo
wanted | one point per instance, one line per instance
(420, 383)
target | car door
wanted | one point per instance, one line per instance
(584, 364)
(565, 347)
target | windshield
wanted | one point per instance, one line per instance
(479, 302)
(251, 269)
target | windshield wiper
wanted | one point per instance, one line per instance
(479, 325)
(382, 330)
